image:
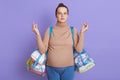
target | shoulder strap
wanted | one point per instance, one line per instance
(50, 33)
(50, 30)
(72, 30)
(71, 27)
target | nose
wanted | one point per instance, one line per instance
(62, 14)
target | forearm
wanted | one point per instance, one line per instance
(40, 44)
(80, 44)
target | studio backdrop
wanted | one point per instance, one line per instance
(17, 41)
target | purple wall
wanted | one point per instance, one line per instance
(17, 40)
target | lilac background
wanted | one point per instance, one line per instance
(17, 40)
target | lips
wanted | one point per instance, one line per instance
(62, 18)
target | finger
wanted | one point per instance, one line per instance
(86, 24)
(35, 25)
(83, 24)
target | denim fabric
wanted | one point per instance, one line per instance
(64, 73)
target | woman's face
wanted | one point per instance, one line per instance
(62, 14)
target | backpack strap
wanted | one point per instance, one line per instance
(50, 34)
(72, 31)
(71, 27)
(50, 31)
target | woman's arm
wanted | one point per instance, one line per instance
(79, 39)
(80, 43)
(42, 45)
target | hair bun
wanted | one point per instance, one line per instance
(61, 4)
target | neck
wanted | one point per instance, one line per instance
(61, 24)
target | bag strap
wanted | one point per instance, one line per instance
(50, 34)
(50, 31)
(71, 27)
(36, 62)
(72, 30)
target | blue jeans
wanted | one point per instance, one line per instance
(64, 73)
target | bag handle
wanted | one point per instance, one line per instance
(36, 62)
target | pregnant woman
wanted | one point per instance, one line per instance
(60, 61)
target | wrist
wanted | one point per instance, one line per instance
(81, 31)
(37, 34)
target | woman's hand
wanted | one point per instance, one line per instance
(84, 27)
(35, 29)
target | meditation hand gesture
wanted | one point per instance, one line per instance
(35, 29)
(84, 27)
